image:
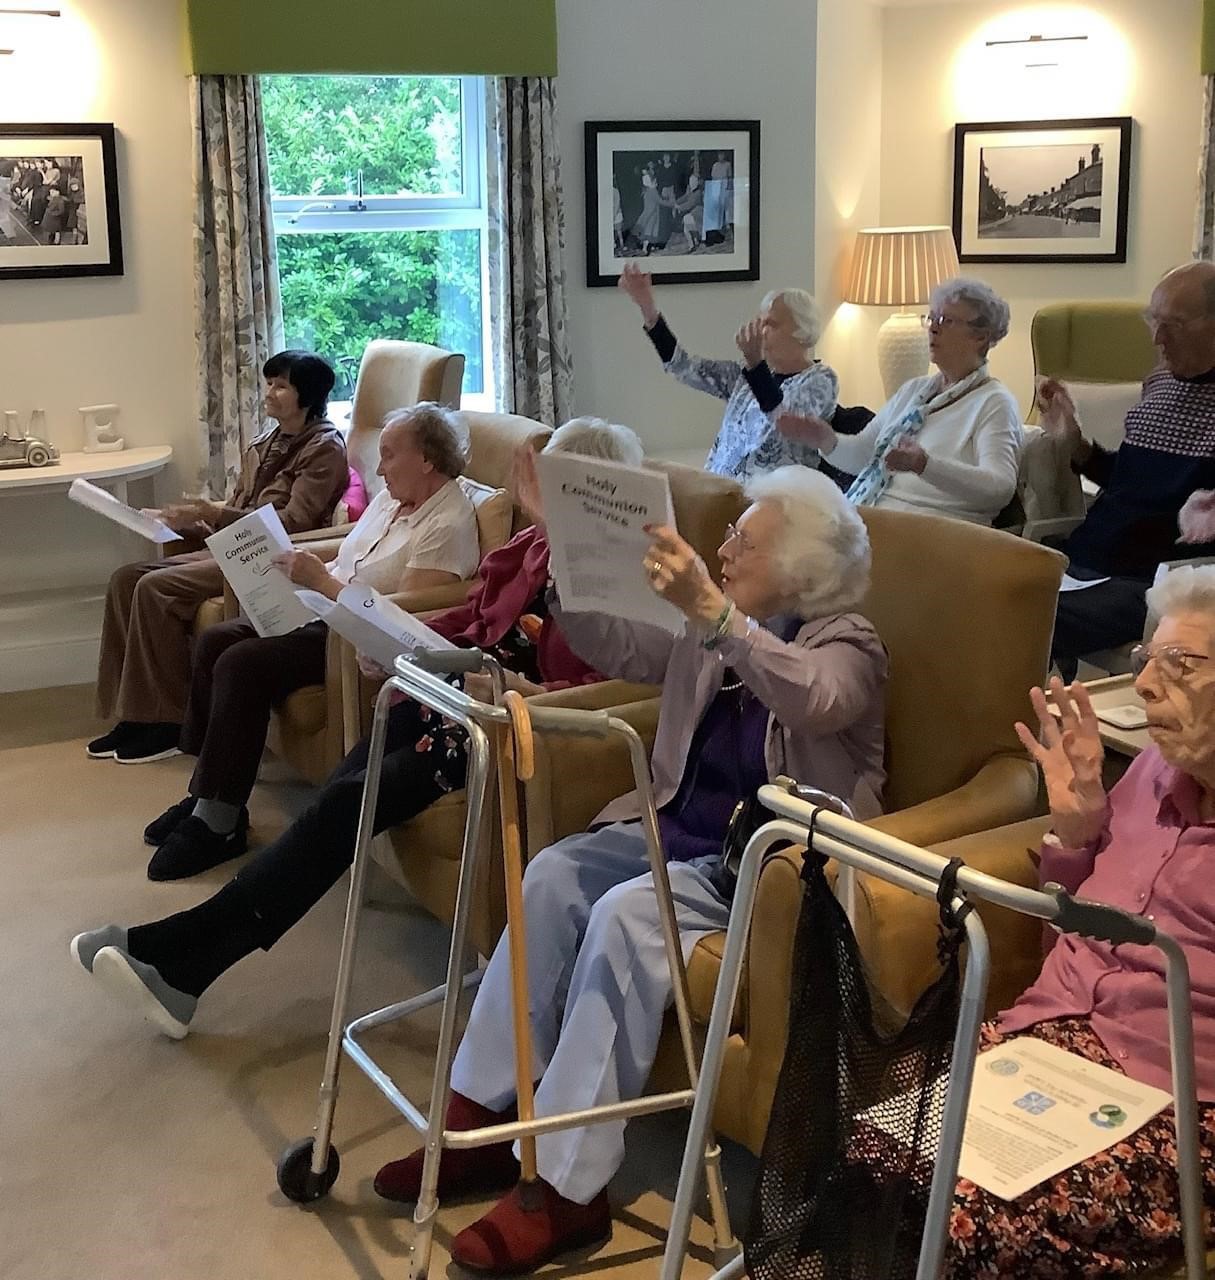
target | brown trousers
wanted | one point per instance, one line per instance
(144, 672)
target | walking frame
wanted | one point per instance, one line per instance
(859, 848)
(308, 1169)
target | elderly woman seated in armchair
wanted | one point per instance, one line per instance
(948, 443)
(774, 674)
(162, 968)
(1145, 847)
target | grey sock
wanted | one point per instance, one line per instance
(220, 817)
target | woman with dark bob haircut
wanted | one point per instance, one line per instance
(312, 378)
(296, 465)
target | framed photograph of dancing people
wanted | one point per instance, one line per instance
(58, 201)
(682, 194)
(1042, 190)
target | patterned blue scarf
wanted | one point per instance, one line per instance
(869, 486)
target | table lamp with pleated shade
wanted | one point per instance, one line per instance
(900, 267)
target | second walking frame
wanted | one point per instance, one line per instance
(308, 1169)
(857, 848)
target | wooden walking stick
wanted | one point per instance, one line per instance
(517, 762)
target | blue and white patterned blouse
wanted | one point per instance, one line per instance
(749, 442)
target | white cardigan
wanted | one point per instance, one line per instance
(973, 446)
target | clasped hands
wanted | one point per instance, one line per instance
(808, 428)
(193, 516)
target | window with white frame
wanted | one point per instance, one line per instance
(379, 214)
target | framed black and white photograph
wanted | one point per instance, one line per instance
(680, 197)
(1042, 190)
(58, 201)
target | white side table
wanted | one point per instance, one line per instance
(110, 470)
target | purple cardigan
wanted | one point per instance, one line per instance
(824, 690)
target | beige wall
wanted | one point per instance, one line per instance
(1140, 60)
(128, 339)
(684, 59)
(848, 178)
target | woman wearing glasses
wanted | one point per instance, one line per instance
(948, 443)
(774, 674)
(1146, 847)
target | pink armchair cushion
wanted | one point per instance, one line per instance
(353, 502)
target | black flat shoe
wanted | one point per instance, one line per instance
(159, 829)
(104, 748)
(192, 848)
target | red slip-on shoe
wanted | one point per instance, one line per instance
(470, 1171)
(511, 1239)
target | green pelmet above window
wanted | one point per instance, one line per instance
(381, 37)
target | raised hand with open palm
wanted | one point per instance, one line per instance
(1069, 753)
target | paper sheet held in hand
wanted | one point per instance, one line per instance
(245, 551)
(1036, 1110)
(105, 504)
(1079, 584)
(595, 513)
(378, 629)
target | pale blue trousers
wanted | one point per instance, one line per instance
(599, 985)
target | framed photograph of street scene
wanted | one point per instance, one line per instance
(1042, 190)
(679, 197)
(58, 201)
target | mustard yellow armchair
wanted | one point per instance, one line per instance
(1097, 342)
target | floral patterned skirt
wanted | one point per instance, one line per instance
(1114, 1214)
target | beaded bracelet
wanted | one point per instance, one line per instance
(714, 638)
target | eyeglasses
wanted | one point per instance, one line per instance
(735, 534)
(939, 321)
(1157, 323)
(1172, 661)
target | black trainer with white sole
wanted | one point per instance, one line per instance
(149, 742)
(105, 747)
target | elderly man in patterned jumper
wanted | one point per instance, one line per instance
(1154, 504)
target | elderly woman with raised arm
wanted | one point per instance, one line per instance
(778, 374)
(774, 674)
(162, 968)
(1146, 847)
(948, 443)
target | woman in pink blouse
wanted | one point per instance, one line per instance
(1147, 847)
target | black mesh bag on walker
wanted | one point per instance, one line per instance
(847, 1161)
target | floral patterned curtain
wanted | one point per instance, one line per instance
(1204, 231)
(533, 371)
(237, 306)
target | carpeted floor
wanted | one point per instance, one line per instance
(127, 1156)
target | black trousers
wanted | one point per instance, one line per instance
(238, 679)
(1099, 617)
(287, 878)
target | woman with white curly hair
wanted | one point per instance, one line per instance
(774, 674)
(778, 374)
(948, 443)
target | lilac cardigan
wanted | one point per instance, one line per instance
(824, 690)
